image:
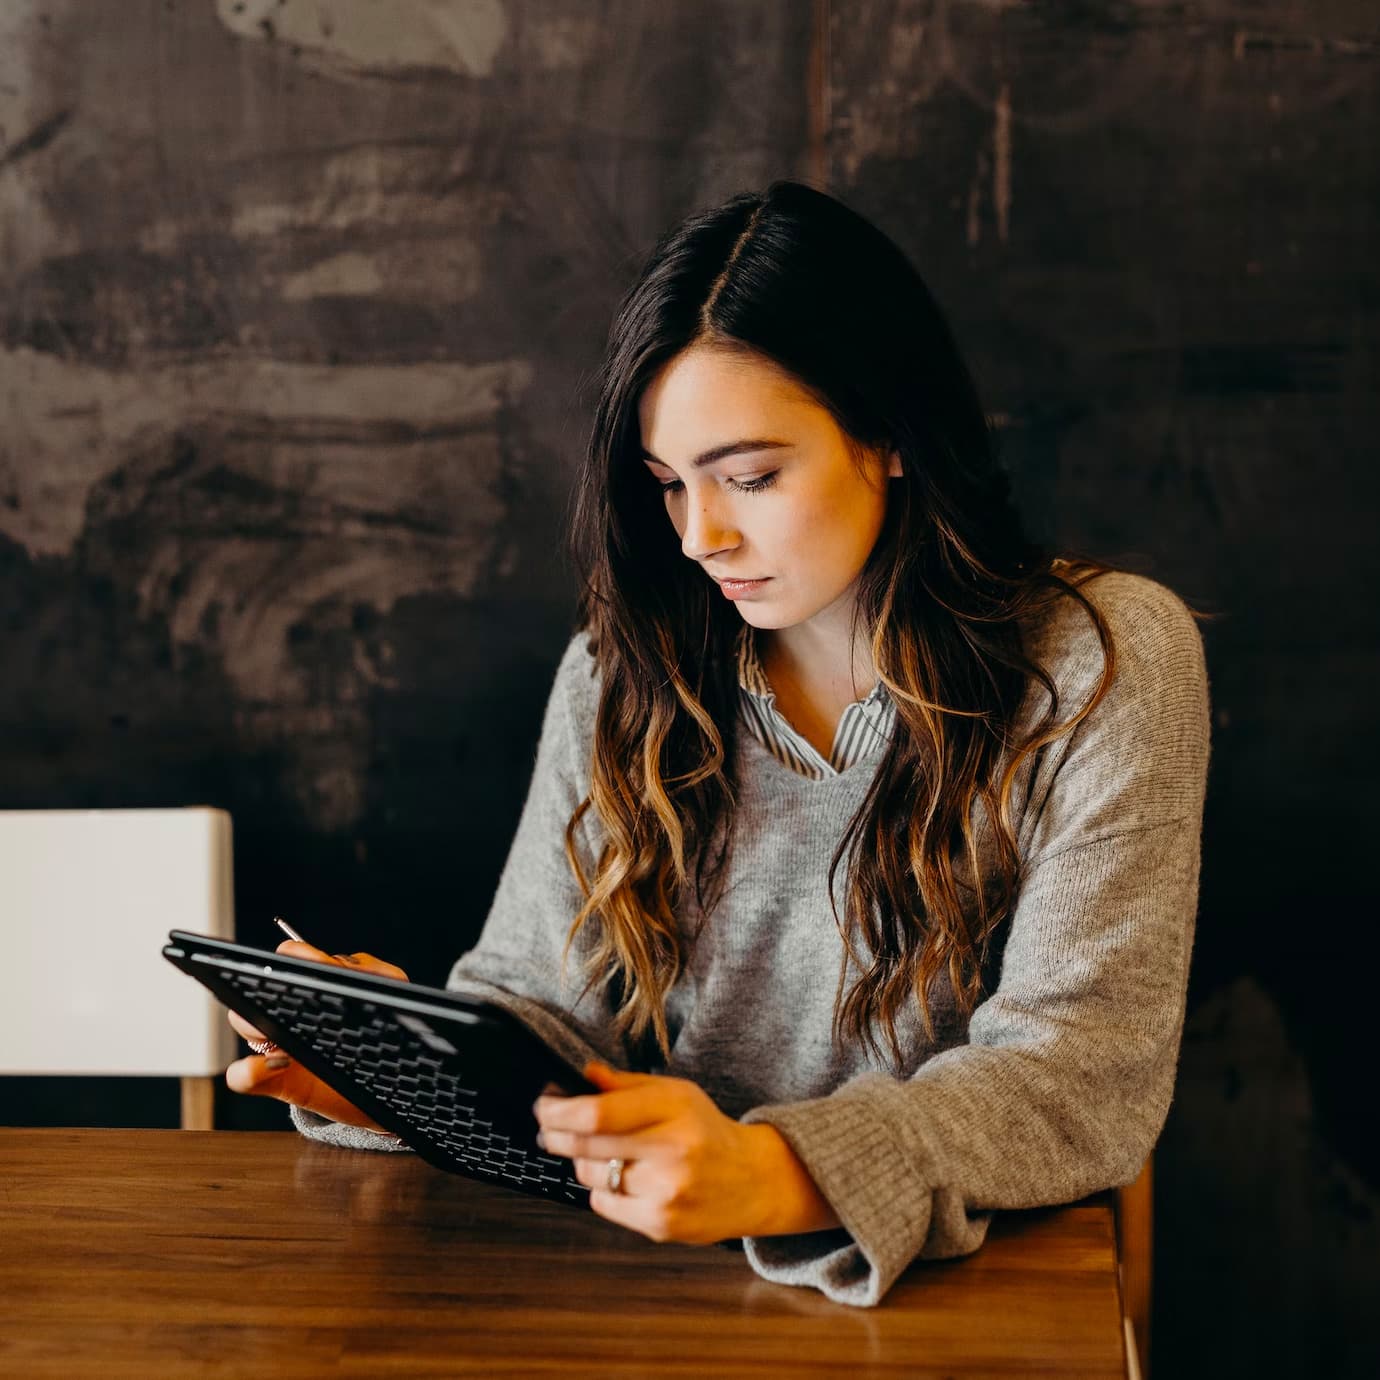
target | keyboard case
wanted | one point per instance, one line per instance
(453, 1076)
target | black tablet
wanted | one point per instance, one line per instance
(454, 1077)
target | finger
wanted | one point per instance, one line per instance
(260, 1076)
(637, 1214)
(295, 948)
(594, 1173)
(254, 1074)
(242, 1028)
(630, 1109)
(643, 1209)
(366, 962)
(374, 965)
(570, 1146)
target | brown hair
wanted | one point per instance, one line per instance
(948, 598)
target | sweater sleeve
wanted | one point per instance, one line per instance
(1066, 1079)
(517, 962)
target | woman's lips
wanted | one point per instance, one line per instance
(741, 589)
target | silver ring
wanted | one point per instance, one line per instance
(614, 1183)
(262, 1046)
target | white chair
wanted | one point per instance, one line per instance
(87, 898)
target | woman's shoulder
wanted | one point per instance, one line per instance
(1159, 684)
(1139, 755)
(576, 683)
(578, 663)
(1146, 620)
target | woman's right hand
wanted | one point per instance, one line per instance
(277, 1075)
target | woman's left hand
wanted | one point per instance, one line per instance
(690, 1173)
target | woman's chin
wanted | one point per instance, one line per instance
(764, 618)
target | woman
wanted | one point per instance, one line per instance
(865, 826)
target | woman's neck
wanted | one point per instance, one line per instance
(816, 675)
(831, 649)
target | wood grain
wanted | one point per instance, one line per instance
(136, 1253)
(1135, 1212)
(198, 1103)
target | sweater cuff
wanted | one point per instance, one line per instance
(328, 1132)
(885, 1198)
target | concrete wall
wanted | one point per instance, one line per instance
(297, 303)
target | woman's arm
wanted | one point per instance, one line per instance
(1066, 1080)
(516, 963)
(517, 960)
(1067, 1076)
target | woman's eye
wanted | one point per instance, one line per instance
(753, 486)
(747, 486)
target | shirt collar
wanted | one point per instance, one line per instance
(753, 679)
(751, 676)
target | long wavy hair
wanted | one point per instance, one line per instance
(797, 278)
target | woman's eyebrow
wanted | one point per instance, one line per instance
(722, 452)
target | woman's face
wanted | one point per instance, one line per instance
(760, 485)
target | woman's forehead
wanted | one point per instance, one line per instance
(707, 397)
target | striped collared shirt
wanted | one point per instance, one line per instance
(864, 727)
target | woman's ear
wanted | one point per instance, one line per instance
(893, 465)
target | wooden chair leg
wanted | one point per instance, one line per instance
(198, 1104)
(1131, 1345)
(1135, 1225)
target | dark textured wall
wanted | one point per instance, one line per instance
(296, 306)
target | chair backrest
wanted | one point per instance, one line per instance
(87, 898)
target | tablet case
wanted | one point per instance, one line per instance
(454, 1077)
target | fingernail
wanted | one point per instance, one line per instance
(276, 1061)
(541, 1140)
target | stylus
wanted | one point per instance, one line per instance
(288, 930)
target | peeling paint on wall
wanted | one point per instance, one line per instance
(37, 102)
(439, 270)
(997, 162)
(560, 42)
(245, 503)
(22, 49)
(96, 417)
(463, 36)
(363, 185)
(1001, 163)
(341, 275)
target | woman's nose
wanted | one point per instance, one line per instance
(707, 531)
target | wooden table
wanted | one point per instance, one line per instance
(159, 1253)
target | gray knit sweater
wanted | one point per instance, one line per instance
(1059, 1083)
